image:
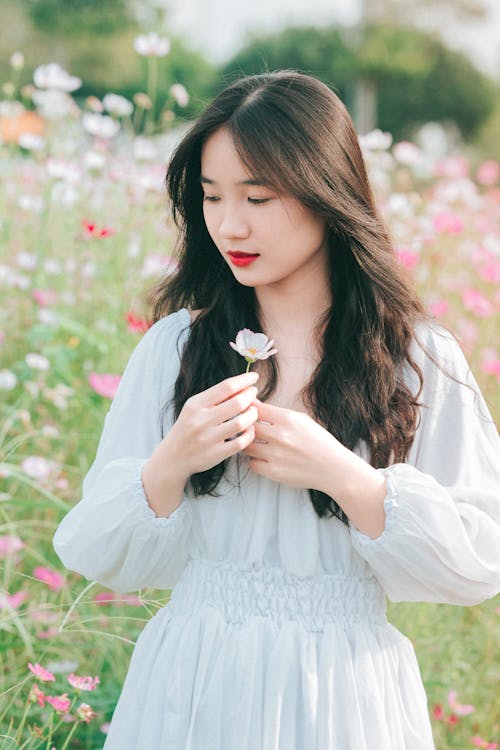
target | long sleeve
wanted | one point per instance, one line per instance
(441, 541)
(112, 535)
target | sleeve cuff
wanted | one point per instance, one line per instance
(147, 511)
(391, 508)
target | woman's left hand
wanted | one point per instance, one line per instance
(291, 448)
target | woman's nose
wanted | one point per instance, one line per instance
(233, 224)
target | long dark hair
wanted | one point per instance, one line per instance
(295, 131)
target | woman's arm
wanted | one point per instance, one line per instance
(113, 535)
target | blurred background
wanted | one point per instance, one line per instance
(397, 64)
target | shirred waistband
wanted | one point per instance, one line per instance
(270, 591)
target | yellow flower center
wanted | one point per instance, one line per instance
(251, 350)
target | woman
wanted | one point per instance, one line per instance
(283, 505)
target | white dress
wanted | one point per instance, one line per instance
(275, 636)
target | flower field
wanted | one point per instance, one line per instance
(84, 233)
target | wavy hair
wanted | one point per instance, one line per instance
(293, 131)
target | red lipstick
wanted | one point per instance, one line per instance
(242, 259)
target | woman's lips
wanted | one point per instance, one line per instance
(242, 259)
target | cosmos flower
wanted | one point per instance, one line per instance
(253, 346)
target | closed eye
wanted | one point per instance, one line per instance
(210, 198)
(257, 201)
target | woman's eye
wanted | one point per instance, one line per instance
(257, 201)
(210, 198)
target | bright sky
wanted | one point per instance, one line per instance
(219, 27)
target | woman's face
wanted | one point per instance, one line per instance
(285, 241)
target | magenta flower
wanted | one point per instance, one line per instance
(83, 683)
(105, 385)
(60, 703)
(54, 581)
(42, 673)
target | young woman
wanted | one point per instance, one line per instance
(282, 506)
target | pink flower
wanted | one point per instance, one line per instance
(61, 703)
(439, 308)
(461, 709)
(13, 601)
(105, 385)
(10, 544)
(37, 696)
(54, 580)
(407, 258)
(478, 741)
(85, 712)
(104, 597)
(491, 362)
(475, 301)
(45, 297)
(83, 683)
(448, 223)
(41, 673)
(452, 167)
(488, 172)
(490, 271)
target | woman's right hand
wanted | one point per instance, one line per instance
(212, 426)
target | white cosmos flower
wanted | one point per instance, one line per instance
(53, 104)
(37, 361)
(118, 105)
(36, 467)
(152, 45)
(180, 94)
(8, 380)
(376, 140)
(253, 346)
(52, 76)
(100, 125)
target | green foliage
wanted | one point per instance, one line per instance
(75, 17)
(417, 78)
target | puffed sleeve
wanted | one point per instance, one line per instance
(113, 535)
(441, 541)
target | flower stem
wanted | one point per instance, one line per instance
(70, 735)
(248, 365)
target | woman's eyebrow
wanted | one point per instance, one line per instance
(260, 182)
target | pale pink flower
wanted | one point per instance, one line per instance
(488, 172)
(461, 709)
(490, 271)
(452, 167)
(253, 346)
(475, 301)
(490, 363)
(439, 307)
(61, 703)
(83, 683)
(100, 126)
(45, 297)
(448, 223)
(478, 741)
(180, 94)
(407, 153)
(37, 361)
(46, 634)
(54, 580)
(105, 385)
(40, 672)
(151, 45)
(118, 105)
(10, 544)
(85, 712)
(36, 467)
(13, 601)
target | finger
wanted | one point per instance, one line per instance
(229, 387)
(239, 424)
(234, 405)
(239, 443)
(264, 431)
(268, 412)
(256, 451)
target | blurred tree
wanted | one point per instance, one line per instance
(417, 78)
(76, 17)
